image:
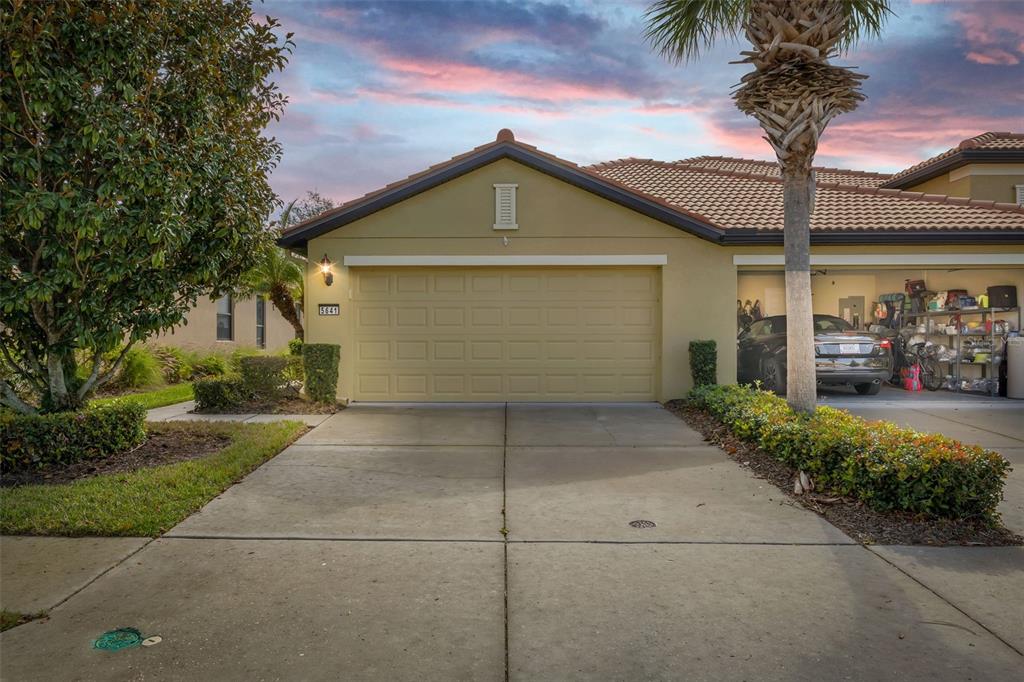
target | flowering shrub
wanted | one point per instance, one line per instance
(886, 466)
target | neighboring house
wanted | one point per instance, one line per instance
(988, 167)
(507, 273)
(230, 322)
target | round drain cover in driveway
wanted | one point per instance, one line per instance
(642, 523)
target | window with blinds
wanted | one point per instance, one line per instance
(505, 206)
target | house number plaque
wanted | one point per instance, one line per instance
(330, 309)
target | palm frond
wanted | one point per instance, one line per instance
(681, 29)
(865, 19)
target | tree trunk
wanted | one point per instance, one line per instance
(285, 304)
(801, 382)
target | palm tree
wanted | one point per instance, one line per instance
(793, 92)
(278, 275)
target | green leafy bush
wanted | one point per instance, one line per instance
(886, 466)
(212, 365)
(218, 394)
(263, 375)
(703, 362)
(39, 440)
(295, 347)
(320, 363)
(235, 358)
(139, 369)
(175, 363)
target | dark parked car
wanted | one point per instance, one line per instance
(843, 355)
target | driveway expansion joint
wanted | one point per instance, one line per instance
(945, 600)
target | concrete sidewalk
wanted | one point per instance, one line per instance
(183, 412)
(373, 548)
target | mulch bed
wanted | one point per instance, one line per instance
(860, 522)
(290, 405)
(165, 444)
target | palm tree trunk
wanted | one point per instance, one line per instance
(801, 383)
(285, 304)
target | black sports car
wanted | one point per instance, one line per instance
(843, 355)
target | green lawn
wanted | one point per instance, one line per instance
(158, 397)
(147, 502)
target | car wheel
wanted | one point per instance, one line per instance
(868, 389)
(773, 376)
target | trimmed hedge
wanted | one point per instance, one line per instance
(886, 466)
(704, 362)
(218, 394)
(263, 375)
(320, 362)
(39, 440)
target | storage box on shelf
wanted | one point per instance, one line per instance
(993, 348)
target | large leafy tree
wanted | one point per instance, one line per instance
(133, 174)
(277, 273)
(793, 92)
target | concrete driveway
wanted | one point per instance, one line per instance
(376, 548)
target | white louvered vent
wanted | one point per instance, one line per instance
(505, 206)
(1020, 195)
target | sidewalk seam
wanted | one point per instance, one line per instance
(504, 527)
(944, 600)
(103, 573)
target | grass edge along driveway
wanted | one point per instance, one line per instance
(145, 502)
(157, 397)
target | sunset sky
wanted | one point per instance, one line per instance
(381, 90)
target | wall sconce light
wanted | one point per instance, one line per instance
(325, 270)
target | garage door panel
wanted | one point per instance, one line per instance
(505, 334)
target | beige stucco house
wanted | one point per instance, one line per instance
(228, 323)
(509, 274)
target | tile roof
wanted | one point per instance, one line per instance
(771, 169)
(718, 198)
(986, 142)
(744, 200)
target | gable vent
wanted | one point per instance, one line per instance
(505, 206)
(1020, 194)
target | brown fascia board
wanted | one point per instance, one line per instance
(952, 162)
(298, 237)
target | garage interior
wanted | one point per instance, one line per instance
(970, 342)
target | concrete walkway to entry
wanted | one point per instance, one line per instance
(439, 542)
(179, 412)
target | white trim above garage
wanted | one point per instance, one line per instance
(471, 261)
(888, 259)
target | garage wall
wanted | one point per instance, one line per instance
(456, 218)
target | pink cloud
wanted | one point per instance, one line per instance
(993, 56)
(994, 32)
(467, 79)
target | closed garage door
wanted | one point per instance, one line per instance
(517, 334)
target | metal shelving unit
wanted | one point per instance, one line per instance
(989, 369)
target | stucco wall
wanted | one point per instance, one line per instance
(698, 284)
(201, 330)
(942, 185)
(985, 181)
